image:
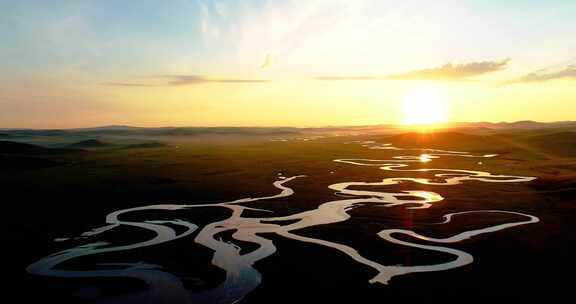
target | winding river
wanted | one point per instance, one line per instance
(241, 276)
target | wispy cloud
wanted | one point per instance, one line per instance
(447, 72)
(454, 71)
(129, 84)
(567, 72)
(182, 80)
(199, 79)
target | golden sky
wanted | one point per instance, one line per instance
(283, 63)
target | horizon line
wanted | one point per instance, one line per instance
(286, 126)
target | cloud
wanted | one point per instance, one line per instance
(177, 80)
(128, 84)
(567, 72)
(454, 72)
(447, 72)
(181, 80)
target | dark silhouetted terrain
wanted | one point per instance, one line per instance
(51, 191)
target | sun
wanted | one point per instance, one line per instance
(427, 105)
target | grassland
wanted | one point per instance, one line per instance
(61, 189)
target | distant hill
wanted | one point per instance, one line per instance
(161, 131)
(110, 127)
(123, 130)
(32, 132)
(523, 124)
(185, 131)
(148, 145)
(560, 143)
(90, 143)
(12, 147)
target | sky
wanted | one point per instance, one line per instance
(79, 63)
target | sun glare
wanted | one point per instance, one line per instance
(425, 106)
(424, 158)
